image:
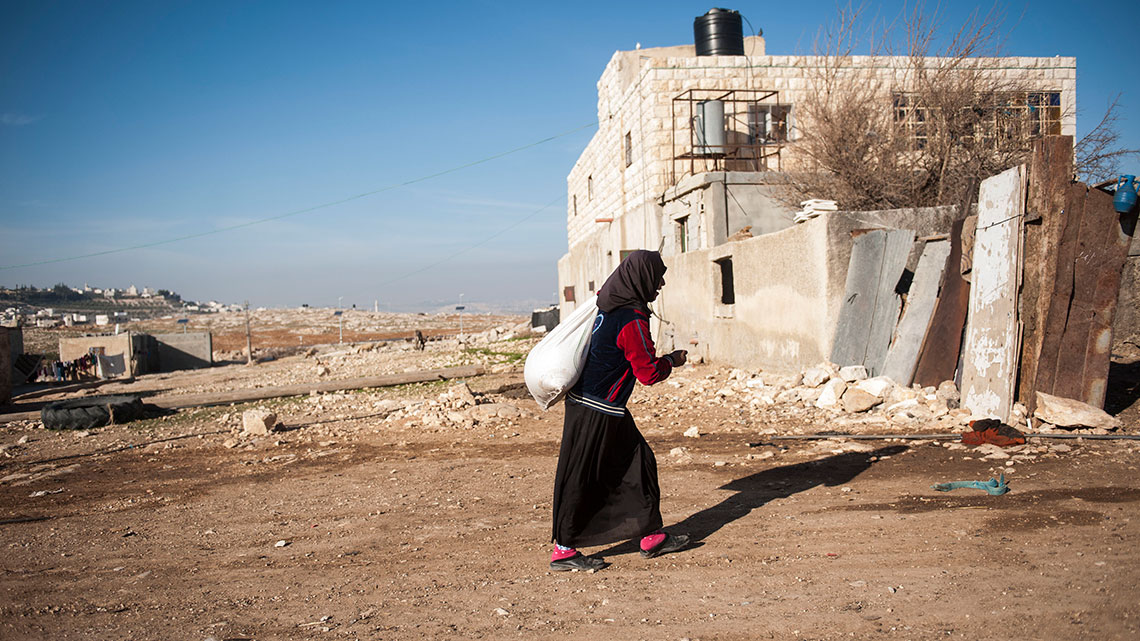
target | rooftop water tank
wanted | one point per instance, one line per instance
(719, 33)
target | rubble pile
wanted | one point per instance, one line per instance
(848, 399)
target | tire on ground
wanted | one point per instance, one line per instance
(88, 413)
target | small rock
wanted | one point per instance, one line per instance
(693, 432)
(938, 408)
(948, 392)
(898, 394)
(280, 544)
(853, 373)
(461, 393)
(678, 451)
(23, 440)
(857, 400)
(258, 422)
(231, 443)
(879, 386)
(832, 391)
(501, 612)
(815, 376)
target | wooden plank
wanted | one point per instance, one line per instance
(853, 329)
(1050, 174)
(244, 396)
(888, 303)
(15, 413)
(990, 352)
(902, 359)
(939, 358)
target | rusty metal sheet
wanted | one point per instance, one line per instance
(939, 357)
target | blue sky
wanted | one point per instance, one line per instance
(127, 123)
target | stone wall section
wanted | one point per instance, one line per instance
(613, 207)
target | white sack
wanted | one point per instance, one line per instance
(555, 364)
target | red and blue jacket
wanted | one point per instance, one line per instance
(621, 350)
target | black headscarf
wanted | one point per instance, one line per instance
(634, 282)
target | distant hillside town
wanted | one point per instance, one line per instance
(63, 305)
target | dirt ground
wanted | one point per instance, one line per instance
(358, 522)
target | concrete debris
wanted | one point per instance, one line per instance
(815, 376)
(258, 422)
(1066, 412)
(856, 400)
(832, 391)
(693, 432)
(853, 373)
(948, 392)
(879, 387)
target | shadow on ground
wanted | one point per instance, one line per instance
(755, 490)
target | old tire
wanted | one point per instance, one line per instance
(88, 413)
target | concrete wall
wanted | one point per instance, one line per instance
(5, 367)
(191, 350)
(788, 285)
(117, 351)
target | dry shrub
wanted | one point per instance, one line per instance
(954, 117)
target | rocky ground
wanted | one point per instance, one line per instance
(422, 511)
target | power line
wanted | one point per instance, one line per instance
(482, 242)
(317, 207)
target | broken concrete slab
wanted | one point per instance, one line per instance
(1066, 412)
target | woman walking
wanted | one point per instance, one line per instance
(605, 488)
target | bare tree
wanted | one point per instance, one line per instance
(952, 119)
(1098, 153)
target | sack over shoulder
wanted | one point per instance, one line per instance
(555, 364)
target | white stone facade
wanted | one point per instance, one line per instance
(614, 206)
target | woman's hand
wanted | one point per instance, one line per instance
(679, 357)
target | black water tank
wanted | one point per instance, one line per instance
(719, 33)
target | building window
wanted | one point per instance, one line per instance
(1016, 116)
(624, 253)
(683, 234)
(591, 287)
(769, 124)
(589, 187)
(568, 294)
(628, 148)
(574, 204)
(727, 290)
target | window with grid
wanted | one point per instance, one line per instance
(769, 124)
(1010, 116)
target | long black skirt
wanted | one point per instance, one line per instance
(605, 489)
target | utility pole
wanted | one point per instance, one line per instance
(340, 319)
(248, 338)
(459, 308)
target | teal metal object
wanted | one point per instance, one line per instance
(992, 486)
(1125, 199)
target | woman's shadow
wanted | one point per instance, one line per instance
(758, 489)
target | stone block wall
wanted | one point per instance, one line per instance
(635, 98)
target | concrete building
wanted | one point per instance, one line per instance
(656, 175)
(132, 353)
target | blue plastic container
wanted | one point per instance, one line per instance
(1125, 199)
